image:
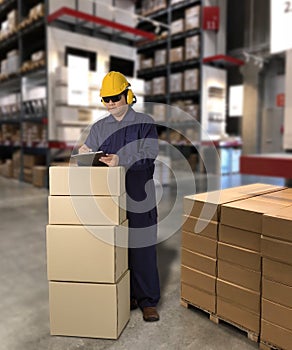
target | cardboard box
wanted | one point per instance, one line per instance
(238, 275)
(148, 87)
(247, 298)
(159, 112)
(275, 335)
(177, 26)
(247, 214)
(238, 315)
(176, 54)
(198, 279)
(277, 314)
(158, 86)
(198, 262)
(39, 176)
(276, 250)
(277, 271)
(191, 79)
(192, 17)
(176, 82)
(87, 254)
(285, 194)
(89, 309)
(199, 244)
(207, 205)
(240, 256)
(87, 210)
(198, 297)
(241, 238)
(30, 160)
(87, 181)
(278, 224)
(277, 292)
(200, 226)
(160, 57)
(146, 63)
(192, 47)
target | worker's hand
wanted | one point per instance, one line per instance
(110, 159)
(84, 149)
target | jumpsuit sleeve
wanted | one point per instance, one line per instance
(144, 152)
(92, 139)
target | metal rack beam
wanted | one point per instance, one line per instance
(66, 11)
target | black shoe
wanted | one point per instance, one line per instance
(133, 304)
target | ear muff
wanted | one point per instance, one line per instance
(130, 97)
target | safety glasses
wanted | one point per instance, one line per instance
(115, 98)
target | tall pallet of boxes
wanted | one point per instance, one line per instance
(276, 249)
(221, 270)
(87, 256)
(239, 257)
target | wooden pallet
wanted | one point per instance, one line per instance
(187, 304)
(267, 346)
(217, 319)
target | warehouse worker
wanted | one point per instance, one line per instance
(129, 139)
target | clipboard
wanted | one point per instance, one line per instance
(89, 159)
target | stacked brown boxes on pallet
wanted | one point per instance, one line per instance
(239, 259)
(29, 162)
(276, 247)
(87, 256)
(200, 241)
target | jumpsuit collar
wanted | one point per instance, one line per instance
(129, 117)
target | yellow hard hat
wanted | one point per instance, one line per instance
(113, 84)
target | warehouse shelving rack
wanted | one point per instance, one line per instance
(30, 36)
(26, 38)
(170, 13)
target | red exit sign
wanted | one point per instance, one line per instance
(211, 18)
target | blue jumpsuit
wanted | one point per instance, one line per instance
(134, 140)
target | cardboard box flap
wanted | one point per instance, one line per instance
(239, 295)
(200, 226)
(207, 205)
(277, 314)
(239, 237)
(240, 256)
(277, 292)
(277, 271)
(87, 181)
(276, 335)
(247, 214)
(278, 224)
(276, 249)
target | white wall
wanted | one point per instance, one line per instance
(272, 118)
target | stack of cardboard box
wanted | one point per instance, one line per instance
(252, 266)
(276, 248)
(239, 260)
(200, 243)
(87, 257)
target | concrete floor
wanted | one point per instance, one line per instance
(24, 308)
